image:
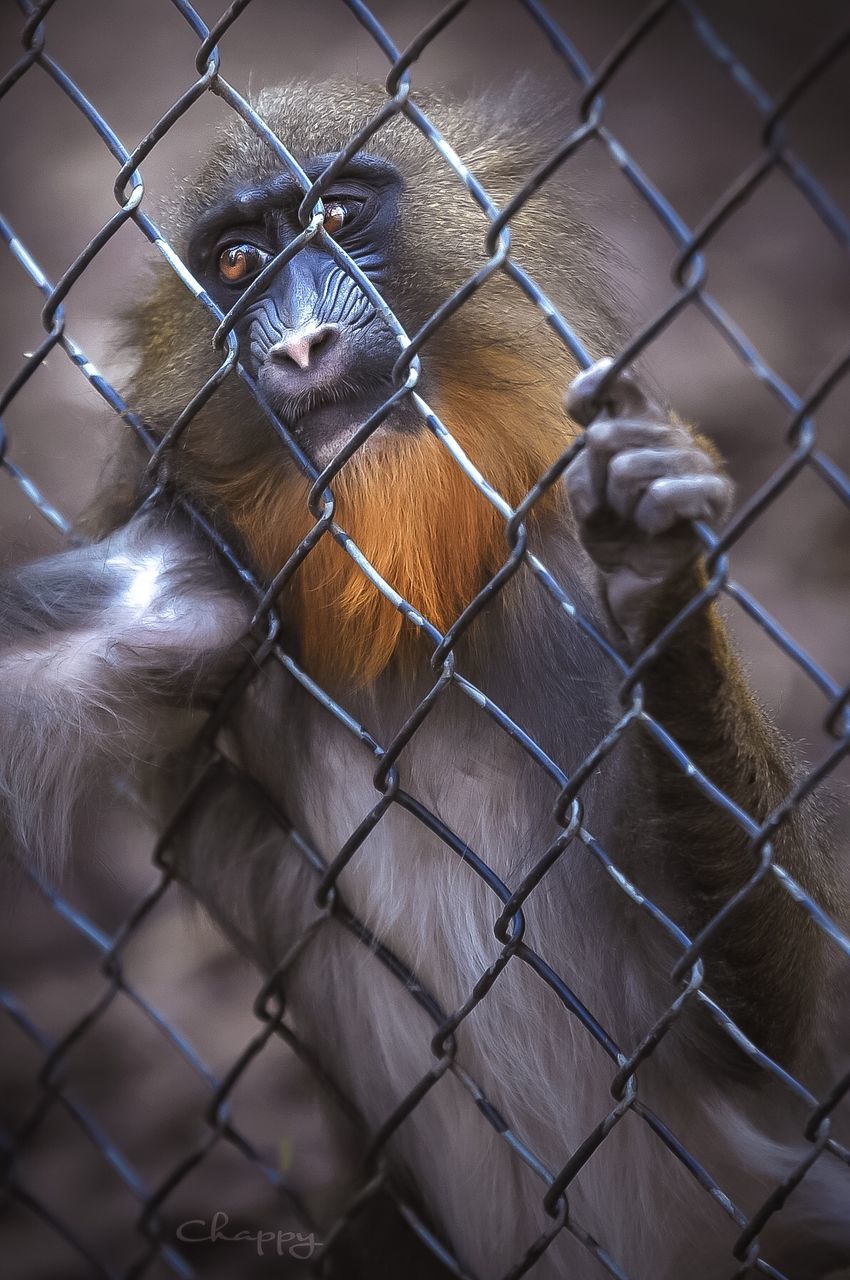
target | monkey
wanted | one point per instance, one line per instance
(112, 653)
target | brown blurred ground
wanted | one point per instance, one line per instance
(773, 266)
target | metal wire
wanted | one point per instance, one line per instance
(156, 1246)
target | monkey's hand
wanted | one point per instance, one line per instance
(635, 489)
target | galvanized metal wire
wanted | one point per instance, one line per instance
(805, 452)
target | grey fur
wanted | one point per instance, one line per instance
(105, 651)
(118, 698)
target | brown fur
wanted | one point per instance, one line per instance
(413, 513)
(497, 387)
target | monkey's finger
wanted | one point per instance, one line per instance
(671, 499)
(631, 471)
(587, 475)
(607, 436)
(586, 399)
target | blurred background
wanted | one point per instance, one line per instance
(775, 268)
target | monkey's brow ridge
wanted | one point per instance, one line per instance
(250, 200)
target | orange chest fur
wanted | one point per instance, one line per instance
(416, 517)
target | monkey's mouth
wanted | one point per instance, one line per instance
(325, 418)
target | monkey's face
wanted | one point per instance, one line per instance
(322, 355)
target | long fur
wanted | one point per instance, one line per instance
(104, 652)
(126, 630)
(536, 1063)
(94, 682)
(412, 512)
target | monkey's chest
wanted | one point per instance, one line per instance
(428, 866)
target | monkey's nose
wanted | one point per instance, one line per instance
(305, 345)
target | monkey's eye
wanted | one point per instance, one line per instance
(337, 215)
(239, 262)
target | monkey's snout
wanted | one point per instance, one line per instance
(305, 348)
(305, 364)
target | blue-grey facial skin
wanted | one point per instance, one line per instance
(322, 355)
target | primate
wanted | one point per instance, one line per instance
(110, 650)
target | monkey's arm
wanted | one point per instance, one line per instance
(635, 490)
(104, 652)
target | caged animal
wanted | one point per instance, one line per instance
(109, 652)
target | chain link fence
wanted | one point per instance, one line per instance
(155, 1249)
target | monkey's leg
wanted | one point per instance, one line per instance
(103, 651)
(635, 489)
